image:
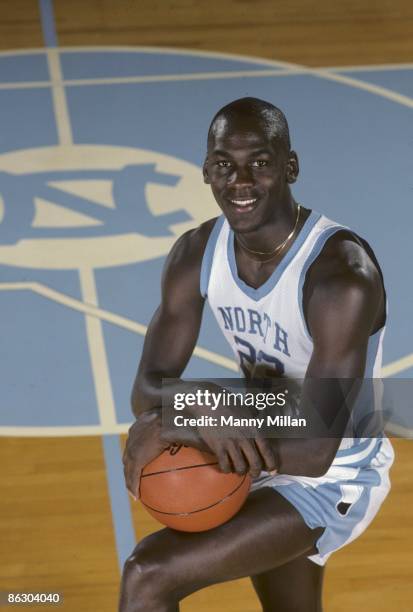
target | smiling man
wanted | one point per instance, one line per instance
(296, 295)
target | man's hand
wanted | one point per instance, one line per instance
(241, 454)
(239, 449)
(144, 443)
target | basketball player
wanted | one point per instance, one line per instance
(316, 290)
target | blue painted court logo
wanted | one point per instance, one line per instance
(94, 206)
(101, 153)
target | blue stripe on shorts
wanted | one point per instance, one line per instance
(344, 507)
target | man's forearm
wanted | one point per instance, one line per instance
(326, 404)
(150, 392)
(302, 457)
(154, 389)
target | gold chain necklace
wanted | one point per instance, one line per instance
(279, 247)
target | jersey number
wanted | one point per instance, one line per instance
(257, 365)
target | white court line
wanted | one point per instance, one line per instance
(188, 76)
(64, 130)
(64, 430)
(173, 51)
(94, 332)
(324, 73)
(110, 317)
(155, 78)
(25, 85)
(209, 54)
(329, 73)
(395, 367)
(108, 426)
(368, 67)
(378, 90)
(33, 51)
(60, 101)
(290, 69)
(97, 351)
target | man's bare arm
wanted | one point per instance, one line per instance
(169, 344)
(346, 301)
(173, 331)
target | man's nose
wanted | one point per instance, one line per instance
(242, 177)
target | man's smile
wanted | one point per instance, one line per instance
(243, 205)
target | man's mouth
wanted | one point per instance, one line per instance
(243, 205)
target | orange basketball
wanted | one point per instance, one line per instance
(184, 489)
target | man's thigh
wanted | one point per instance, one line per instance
(293, 587)
(267, 533)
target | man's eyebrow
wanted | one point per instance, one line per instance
(220, 152)
(223, 153)
(260, 152)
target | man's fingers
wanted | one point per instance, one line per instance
(224, 461)
(254, 459)
(132, 479)
(134, 488)
(237, 458)
(131, 475)
(268, 453)
(126, 473)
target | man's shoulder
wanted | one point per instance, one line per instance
(185, 257)
(197, 238)
(347, 256)
(346, 267)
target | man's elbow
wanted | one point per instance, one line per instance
(309, 458)
(316, 471)
(318, 466)
(135, 403)
(139, 399)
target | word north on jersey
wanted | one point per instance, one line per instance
(250, 321)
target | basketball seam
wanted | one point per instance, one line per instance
(220, 501)
(176, 469)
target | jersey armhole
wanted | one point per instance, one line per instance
(373, 258)
(208, 256)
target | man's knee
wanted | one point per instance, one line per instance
(146, 578)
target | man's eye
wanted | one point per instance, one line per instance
(260, 163)
(223, 164)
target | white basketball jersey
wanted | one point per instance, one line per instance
(265, 327)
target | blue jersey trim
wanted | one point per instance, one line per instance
(372, 349)
(357, 447)
(209, 255)
(367, 412)
(271, 282)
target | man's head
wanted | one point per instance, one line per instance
(249, 164)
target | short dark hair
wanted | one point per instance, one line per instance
(272, 117)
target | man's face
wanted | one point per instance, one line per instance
(249, 172)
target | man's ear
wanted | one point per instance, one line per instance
(205, 171)
(293, 167)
